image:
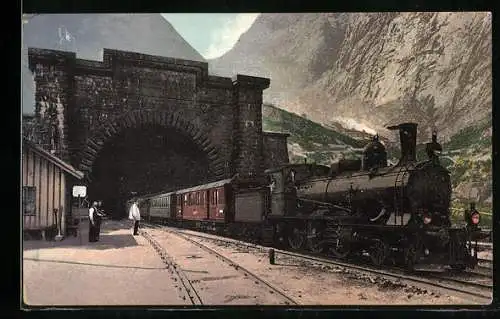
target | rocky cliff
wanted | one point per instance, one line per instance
(372, 68)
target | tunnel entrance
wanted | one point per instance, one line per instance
(145, 160)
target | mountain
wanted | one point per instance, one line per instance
(372, 68)
(88, 34)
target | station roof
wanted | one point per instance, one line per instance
(52, 158)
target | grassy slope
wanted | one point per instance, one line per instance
(308, 139)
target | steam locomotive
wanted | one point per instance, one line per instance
(399, 213)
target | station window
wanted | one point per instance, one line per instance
(29, 200)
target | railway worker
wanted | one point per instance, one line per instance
(135, 215)
(92, 222)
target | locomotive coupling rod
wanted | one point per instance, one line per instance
(271, 256)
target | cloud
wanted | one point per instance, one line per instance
(224, 38)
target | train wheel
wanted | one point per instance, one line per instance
(340, 250)
(379, 252)
(315, 246)
(411, 255)
(296, 238)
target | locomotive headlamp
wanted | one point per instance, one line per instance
(427, 219)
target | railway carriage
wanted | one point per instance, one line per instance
(162, 207)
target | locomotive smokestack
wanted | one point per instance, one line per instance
(408, 141)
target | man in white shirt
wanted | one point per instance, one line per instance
(93, 222)
(135, 215)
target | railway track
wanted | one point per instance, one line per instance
(476, 284)
(194, 296)
(185, 287)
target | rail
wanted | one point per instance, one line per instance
(479, 291)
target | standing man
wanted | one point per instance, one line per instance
(135, 215)
(98, 219)
(92, 222)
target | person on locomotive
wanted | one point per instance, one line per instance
(472, 216)
(433, 148)
(135, 215)
(92, 222)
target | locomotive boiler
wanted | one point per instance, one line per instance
(365, 206)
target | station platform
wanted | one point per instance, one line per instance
(120, 269)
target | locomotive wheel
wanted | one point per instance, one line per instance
(315, 246)
(296, 238)
(340, 250)
(411, 255)
(379, 252)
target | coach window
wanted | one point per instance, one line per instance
(29, 200)
(204, 198)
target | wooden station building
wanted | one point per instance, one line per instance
(46, 190)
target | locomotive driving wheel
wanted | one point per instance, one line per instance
(379, 252)
(296, 238)
(411, 253)
(314, 242)
(340, 249)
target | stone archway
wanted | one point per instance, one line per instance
(97, 139)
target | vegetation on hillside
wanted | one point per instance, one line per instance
(309, 139)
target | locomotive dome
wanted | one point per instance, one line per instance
(374, 146)
(374, 154)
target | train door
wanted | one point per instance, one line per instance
(204, 204)
(212, 207)
(172, 207)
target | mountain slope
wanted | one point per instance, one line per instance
(88, 34)
(432, 68)
(310, 140)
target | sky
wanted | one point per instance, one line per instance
(211, 34)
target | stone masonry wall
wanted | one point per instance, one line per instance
(90, 101)
(275, 149)
(53, 78)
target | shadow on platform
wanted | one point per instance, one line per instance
(105, 242)
(91, 264)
